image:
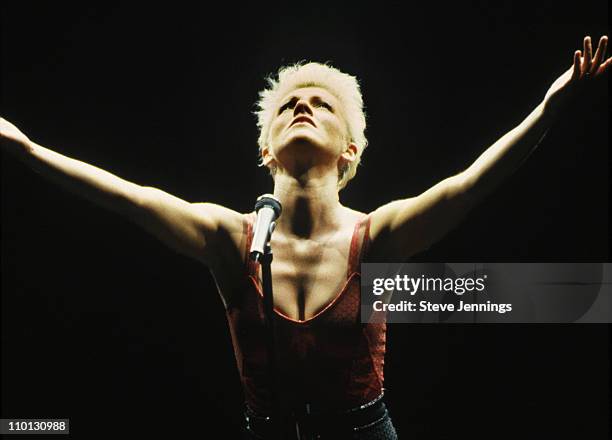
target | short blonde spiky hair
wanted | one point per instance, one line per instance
(312, 74)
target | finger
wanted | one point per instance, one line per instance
(604, 66)
(586, 59)
(576, 69)
(600, 54)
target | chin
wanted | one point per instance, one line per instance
(301, 141)
(304, 147)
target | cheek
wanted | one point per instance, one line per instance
(335, 130)
(276, 128)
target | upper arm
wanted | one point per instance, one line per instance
(405, 227)
(191, 229)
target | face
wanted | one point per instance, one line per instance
(309, 127)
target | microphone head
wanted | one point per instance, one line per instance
(269, 201)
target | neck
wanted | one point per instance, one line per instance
(310, 206)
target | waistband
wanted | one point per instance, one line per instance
(309, 422)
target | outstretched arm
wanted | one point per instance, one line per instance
(188, 228)
(404, 227)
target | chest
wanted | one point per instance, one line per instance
(307, 275)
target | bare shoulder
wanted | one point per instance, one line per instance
(351, 217)
(227, 229)
(220, 217)
(382, 244)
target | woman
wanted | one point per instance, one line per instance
(330, 378)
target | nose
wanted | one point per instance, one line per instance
(302, 106)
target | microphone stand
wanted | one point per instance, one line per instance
(268, 300)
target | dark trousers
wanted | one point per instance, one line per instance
(367, 422)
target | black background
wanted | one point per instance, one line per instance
(104, 325)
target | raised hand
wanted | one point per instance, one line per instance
(585, 68)
(12, 139)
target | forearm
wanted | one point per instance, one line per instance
(88, 181)
(506, 155)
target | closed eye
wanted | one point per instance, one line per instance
(287, 105)
(319, 103)
(283, 108)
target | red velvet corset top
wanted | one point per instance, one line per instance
(330, 359)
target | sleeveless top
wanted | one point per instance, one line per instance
(331, 360)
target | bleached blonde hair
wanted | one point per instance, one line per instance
(312, 74)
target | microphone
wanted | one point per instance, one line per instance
(268, 209)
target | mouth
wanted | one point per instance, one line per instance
(302, 120)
